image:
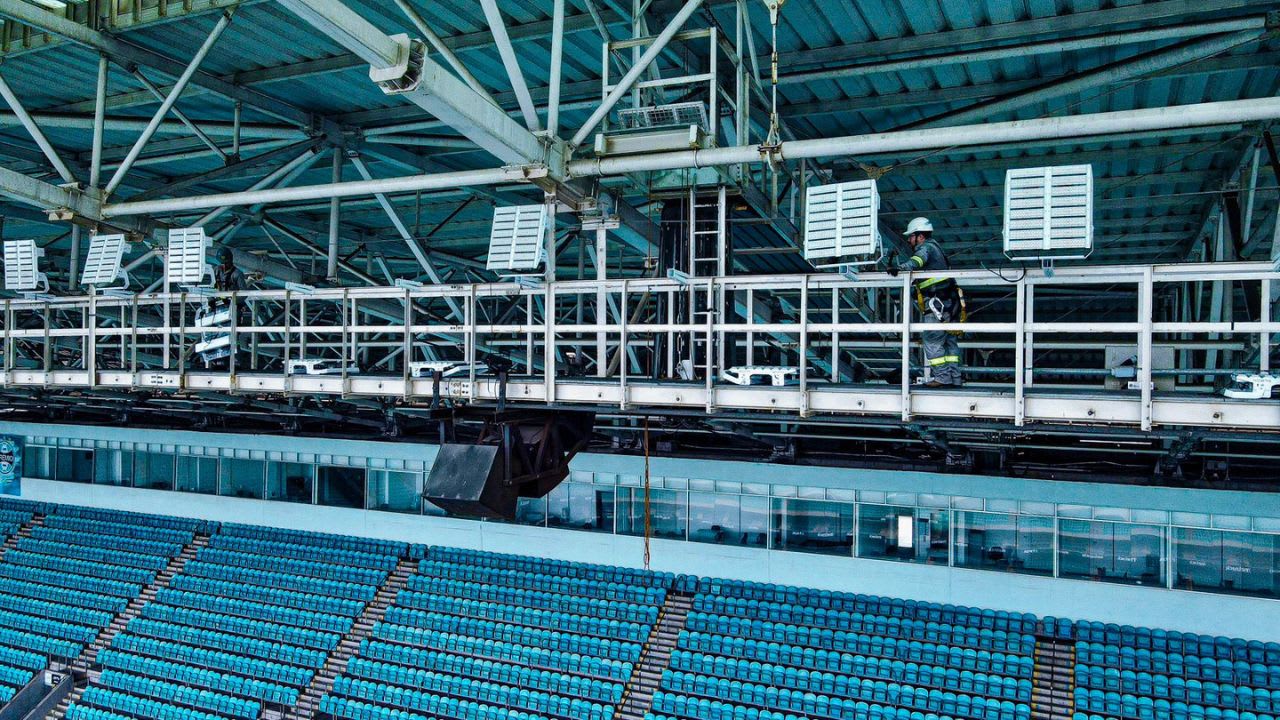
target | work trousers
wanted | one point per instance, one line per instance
(941, 349)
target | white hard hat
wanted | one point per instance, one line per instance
(920, 224)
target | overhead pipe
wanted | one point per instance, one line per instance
(260, 131)
(1057, 128)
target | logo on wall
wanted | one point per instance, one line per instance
(10, 465)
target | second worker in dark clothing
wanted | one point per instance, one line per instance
(939, 301)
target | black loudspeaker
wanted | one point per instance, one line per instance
(467, 480)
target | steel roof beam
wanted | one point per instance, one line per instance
(511, 63)
(133, 124)
(34, 131)
(126, 53)
(432, 87)
(1146, 15)
(1135, 67)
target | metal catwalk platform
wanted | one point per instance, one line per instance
(635, 345)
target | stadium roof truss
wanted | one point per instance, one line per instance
(350, 154)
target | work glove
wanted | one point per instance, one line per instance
(893, 271)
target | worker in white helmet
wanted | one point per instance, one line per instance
(939, 301)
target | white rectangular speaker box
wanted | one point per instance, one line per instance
(185, 259)
(841, 223)
(102, 264)
(21, 266)
(516, 239)
(1048, 212)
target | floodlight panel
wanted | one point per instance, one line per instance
(1048, 211)
(841, 220)
(186, 255)
(102, 264)
(21, 271)
(516, 237)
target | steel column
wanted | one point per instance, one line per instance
(335, 208)
(99, 120)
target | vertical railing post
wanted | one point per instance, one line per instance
(906, 347)
(1264, 338)
(549, 336)
(804, 345)
(622, 346)
(1145, 311)
(1020, 358)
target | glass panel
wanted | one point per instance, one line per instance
(1111, 552)
(895, 532)
(1229, 562)
(290, 482)
(1000, 541)
(580, 506)
(816, 526)
(531, 511)
(113, 467)
(153, 470)
(728, 519)
(197, 474)
(37, 462)
(242, 478)
(394, 491)
(341, 486)
(668, 513)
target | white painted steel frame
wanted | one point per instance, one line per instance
(136, 329)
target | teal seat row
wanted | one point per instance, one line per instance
(545, 566)
(124, 558)
(55, 611)
(254, 610)
(350, 591)
(117, 573)
(1145, 708)
(169, 522)
(585, 587)
(488, 629)
(260, 690)
(1156, 686)
(842, 659)
(922, 610)
(430, 703)
(337, 556)
(351, 542)
(673, 706)
(304, 568)
(207, 700)
(241, 626)
(560, 704)
(530, 598)
(838, 639)
(78, 634)
(583, 664)
(1240, 672)
(66, 596)
(215, 659)
(80, 538)
(272, 596)
(15, 657)
(226, 642)
(103, 527)
(965, 681)
(103, 704)
(840, 704)
(604, 625)
(503, 672)
(31, 642)
(349, 709)
(15, 677)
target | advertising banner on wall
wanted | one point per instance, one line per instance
(10, 465)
